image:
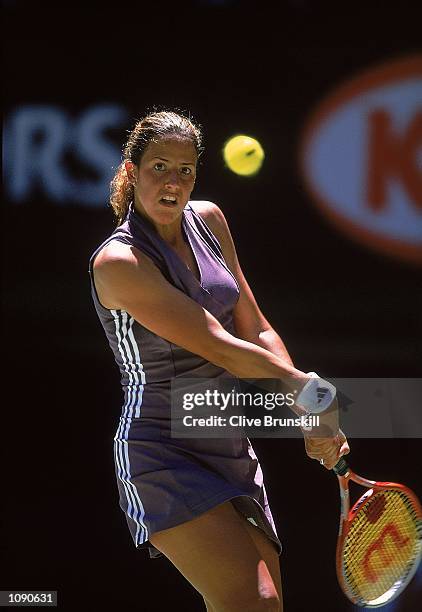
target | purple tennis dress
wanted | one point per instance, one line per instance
(165, 481)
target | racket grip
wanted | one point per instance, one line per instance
(341, 467)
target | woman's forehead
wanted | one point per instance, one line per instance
(172, 148)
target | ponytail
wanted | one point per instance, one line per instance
(121, 193)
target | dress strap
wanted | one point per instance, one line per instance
(201, 228)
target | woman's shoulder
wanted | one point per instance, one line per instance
(205, 208)
(212, 214)
(115, 251)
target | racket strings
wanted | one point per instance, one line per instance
(382, 545)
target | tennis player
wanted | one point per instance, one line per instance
(173, 301)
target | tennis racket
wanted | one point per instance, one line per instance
(380, 539)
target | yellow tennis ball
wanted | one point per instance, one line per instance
(243, 155)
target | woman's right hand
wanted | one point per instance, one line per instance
(327, 450)
(326, 442)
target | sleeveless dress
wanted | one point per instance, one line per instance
(164, 481)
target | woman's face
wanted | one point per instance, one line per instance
(164, 178)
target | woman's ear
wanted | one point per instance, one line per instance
(132, 172)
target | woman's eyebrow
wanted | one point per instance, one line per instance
(166, 160)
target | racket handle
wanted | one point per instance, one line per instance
(341, 467)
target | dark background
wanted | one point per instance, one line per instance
(238, 67)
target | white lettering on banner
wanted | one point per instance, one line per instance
(361, 158)
(36, 140)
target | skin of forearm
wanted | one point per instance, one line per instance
(245, 359)
(270, 340)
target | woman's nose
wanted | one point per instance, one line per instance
(172, 178)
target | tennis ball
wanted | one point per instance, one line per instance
(243, 155)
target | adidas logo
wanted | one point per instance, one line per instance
(321, 393)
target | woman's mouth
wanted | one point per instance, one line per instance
(169, 201)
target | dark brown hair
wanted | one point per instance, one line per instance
(154, 126)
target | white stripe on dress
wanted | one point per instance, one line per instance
(138, 368)
(135, 508)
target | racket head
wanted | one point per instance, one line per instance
(380, 545)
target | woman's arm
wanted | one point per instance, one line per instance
(127, 279)
(251, 325)
(249, 321)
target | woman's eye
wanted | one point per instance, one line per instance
(161, 167)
